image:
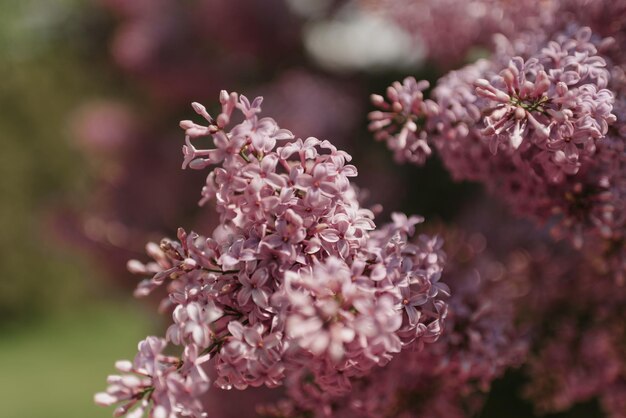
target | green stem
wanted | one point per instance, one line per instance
(244, 156)
(220, 271)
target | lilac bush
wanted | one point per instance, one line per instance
(291, 286)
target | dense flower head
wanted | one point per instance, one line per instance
(482, 339)
(551, 108)
(539, 124)
(556, 100)
(295, 278)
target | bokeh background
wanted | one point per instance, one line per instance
(90, 97)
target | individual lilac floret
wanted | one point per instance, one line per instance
(296, 278)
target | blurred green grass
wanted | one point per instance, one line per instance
(47, 71)
(61, 327)
(53, 368)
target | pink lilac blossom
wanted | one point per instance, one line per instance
(482, 339)
(173, 385)
(555, 100)
(554, 105)
(295, 277)
(538, 129)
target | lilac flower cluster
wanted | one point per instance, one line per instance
(172, 384)
(482, 339)
(556, 100)
(538, 123)
(171, 53)
(294, 282)
(553, 106)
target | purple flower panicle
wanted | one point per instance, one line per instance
(296, 278)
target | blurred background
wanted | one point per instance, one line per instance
(90, 98)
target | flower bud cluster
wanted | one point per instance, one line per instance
(407, 111)
(295, 279)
